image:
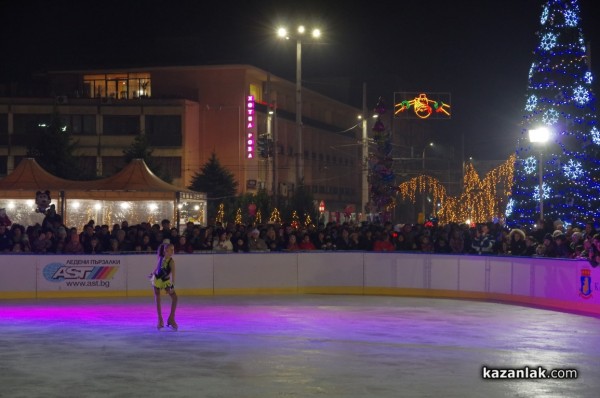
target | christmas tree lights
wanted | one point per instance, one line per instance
(559, 97)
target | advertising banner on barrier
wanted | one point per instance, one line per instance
(81, 273)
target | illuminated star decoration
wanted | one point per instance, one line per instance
(595, 135)
(544, 17)
(573, 170)
(571, 18)
(509, 207)
(536, 192)
(548, 41)
(531, 103)
(550, 117)
(581, 95)
(529, 165)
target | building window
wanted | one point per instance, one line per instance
(3, 167)
(112, 164)
(79, 124)
(3, 129)
(87, 165)
(169, 165)
(117, 85)
(121, 125)
(164, 130)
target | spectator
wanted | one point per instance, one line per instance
(182, 245)
(482, 243)
(42, 244)
(5, 242)
(222, 243)
(457, 241)
(530, 246)
(562, 247)
(93, 246)
(273, 243)
(518, 247)
(292, 245)
(73, 246)
(240, 245)
(343, 241)
(256, 243)
(306, 243)
(384, 244)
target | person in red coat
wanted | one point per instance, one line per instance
(384, 244)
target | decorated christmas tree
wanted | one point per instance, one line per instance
(560, 100)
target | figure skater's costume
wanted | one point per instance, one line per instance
(161, 277)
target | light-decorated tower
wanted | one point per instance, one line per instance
(559, 98)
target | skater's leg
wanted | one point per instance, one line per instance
(171, 321)
(158, 308)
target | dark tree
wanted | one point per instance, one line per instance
(52, 147)
(217, 182)
(140, 149)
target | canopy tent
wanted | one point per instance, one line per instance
(134, 194)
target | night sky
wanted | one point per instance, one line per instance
(480, 52)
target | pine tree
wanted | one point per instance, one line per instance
(53, 149)
(140, 149)
(217, 182)
(560, 98)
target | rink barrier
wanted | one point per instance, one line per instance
(569, 285)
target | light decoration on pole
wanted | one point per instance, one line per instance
(481, 201)
(238, 216)
(559, 96)
(382, 190)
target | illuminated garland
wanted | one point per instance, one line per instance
(238, 216)
(481, 201)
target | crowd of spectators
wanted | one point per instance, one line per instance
(546, 240)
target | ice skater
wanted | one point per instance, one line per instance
(163, 277)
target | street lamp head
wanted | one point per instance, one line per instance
(316, 33)
(283, 33)
(540, 135)
(301, 29)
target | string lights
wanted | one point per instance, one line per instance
(481, 200)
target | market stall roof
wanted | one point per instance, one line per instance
(134, 182)
(28, 178)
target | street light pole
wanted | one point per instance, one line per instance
(283, 33)
(300, 159)
(423, 167)
(540, 136)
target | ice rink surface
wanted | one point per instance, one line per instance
(291, 346)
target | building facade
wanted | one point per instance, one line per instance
(243, 114)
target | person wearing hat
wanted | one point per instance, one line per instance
(562, 247)
(256, 243)
(517, 244)
(548, 246)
